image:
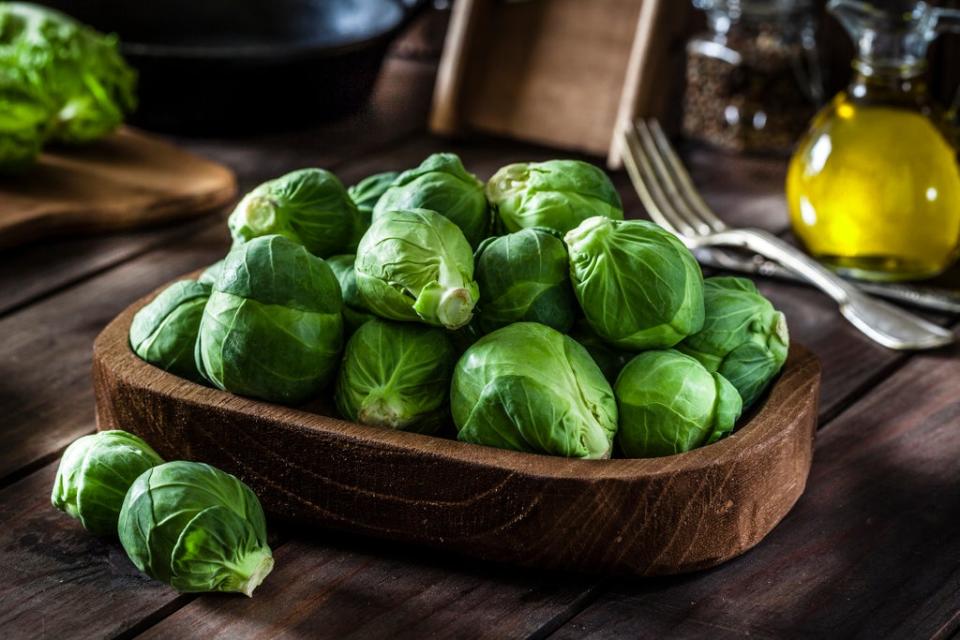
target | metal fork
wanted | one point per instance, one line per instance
(666, 190)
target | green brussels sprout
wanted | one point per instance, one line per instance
(396, 375)
(309, 206)
(367, 192)
(94, 475)
(743, 338)
(524, 276)
(610, 359)
(354, 311)
(196, 528)
(528, 387)
(81, 71)
(272, 328)
(25, 114)
(670, 403)
(558, 194)
(416, 265)
(638, 286)
(212, 273)
(164, 332)
(441, 184)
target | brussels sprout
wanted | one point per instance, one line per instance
(558, 194)
(94, 475)
(272, 328)
(441, 184)
(367, 192)
(525, 276)
(670, 403)
(528, 387)
(396, 375)
(212, 273)
(164, 332)
(743, 338)
(610, 359)
(354, 311)
(81, 71)
(25, 114)
(417, 265)
(309, 206)
(196, 528)
(639, 287)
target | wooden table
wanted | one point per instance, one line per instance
(871, 550)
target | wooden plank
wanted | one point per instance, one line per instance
(58, 580)
(870, 551)
(45, 393)
(398, 108)
(355, 590)
(28, 273)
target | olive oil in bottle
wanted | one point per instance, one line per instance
(874, 186)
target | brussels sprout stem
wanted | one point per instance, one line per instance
(380, 412)
(451, 307)
(254, 568)
(456, 308)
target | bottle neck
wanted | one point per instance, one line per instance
(891, 84)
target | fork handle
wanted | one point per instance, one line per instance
(884, 323)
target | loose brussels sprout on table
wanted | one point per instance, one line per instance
(669, 403)
(196, 528)
(164, 332)
(367, 192)
(272, 328)
(524, 276)
(557, 194)
(396, 375)
(441, 184)
(309, 206)
(94, 475)
(354, 311)
(743, 337)
(416, 265)
(528, 387)
(639, 287)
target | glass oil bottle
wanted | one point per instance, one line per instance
(874, 186)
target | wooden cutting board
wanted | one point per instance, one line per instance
(126, 180)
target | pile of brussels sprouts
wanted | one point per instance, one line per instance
(185, 523)
(526, 312)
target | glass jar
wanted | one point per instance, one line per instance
(753, 79)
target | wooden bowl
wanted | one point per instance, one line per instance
(642, 517)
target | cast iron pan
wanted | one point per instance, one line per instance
(231, 66)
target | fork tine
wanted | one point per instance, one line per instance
(650, 190)
(630, 161)
(666, 179)
(687, 188)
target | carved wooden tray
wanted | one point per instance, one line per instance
(641, 517)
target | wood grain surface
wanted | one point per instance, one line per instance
(642, 517)
(128, 179)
